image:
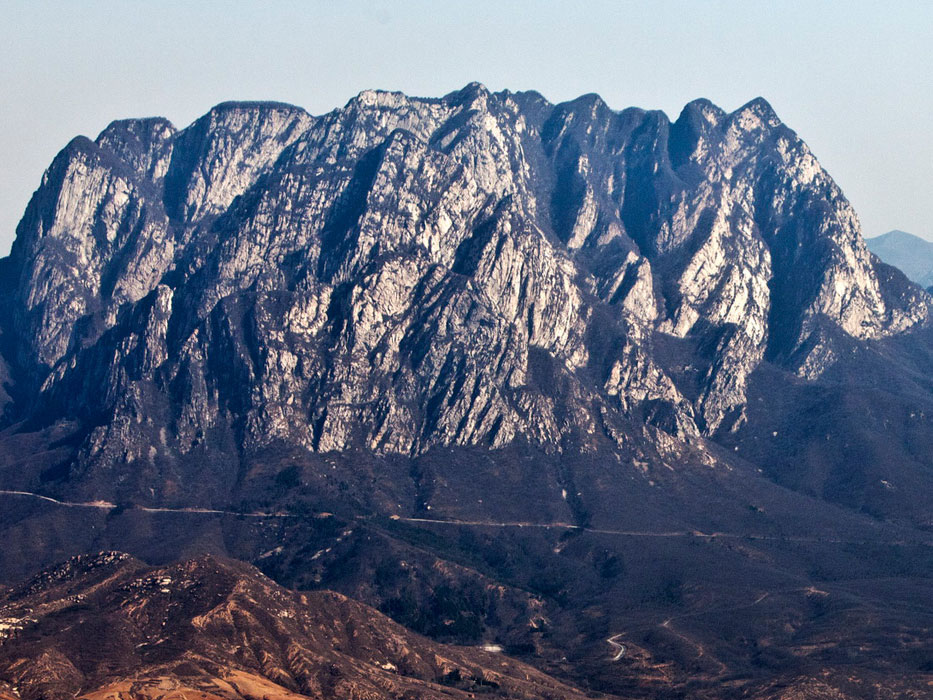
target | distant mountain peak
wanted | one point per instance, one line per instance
(911, 254)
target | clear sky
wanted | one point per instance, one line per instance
(853, 78)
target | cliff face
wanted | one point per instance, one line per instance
(407, 273)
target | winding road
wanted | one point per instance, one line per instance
(107, 505)
(619, 648)
(671, 533)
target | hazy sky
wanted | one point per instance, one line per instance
(854, 79)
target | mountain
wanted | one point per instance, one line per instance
(407, 274)
(379, 277)
(106, 625)
(910, 254)
(587, 374)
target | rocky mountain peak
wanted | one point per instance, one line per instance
(219, 156)
(389, 275)
(758, 108)
(143, 144)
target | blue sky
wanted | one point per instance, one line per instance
(854, 79)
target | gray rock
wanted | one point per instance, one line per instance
(395, 275)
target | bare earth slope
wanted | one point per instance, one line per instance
(107, 626)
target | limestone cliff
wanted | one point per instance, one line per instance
(392, 275)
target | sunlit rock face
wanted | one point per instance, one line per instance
(393, 275)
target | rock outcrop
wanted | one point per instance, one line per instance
(394, 275)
